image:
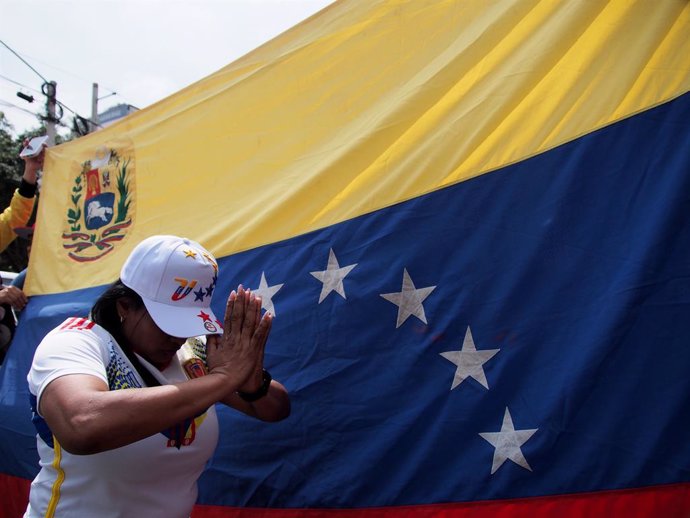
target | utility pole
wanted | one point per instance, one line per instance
(93, 125)
(50, 92)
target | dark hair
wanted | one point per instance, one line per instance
(104, 311)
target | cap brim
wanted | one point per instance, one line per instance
(183, 321)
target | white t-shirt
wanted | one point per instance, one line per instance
(153, 478)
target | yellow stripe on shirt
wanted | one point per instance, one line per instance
(59, 479)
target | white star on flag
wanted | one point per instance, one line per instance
(332, 277)
(266, 293)
(469, 361)
(409, 300)
(507, 443)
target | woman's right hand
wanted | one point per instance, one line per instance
(236, 353)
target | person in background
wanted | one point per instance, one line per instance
(26, 234)
(13, 299)
(9, 296)
(123, 401)
(22, 203)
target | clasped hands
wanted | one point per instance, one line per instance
(238, 353)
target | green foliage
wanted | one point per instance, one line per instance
(124, 203)
(74, 214)
(11, 167)
(14, 258)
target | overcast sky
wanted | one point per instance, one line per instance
(144, 50)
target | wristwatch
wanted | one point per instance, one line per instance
(250, 397)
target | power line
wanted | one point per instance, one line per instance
(19, 84)
(11, 105)
(112, 92)
(77, 115)
(24, 61)
(59, 103)
(46, 83)
(38, 115)
(69, 73)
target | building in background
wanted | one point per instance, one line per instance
(115, 113)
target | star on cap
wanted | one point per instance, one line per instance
(212, 286)
(266, 293)
(190, 253)
(469, 361)
(199, 294)
(204, 316)
(332, 277)
(409, 300)
(507, 443)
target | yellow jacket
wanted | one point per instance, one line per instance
(16, 215)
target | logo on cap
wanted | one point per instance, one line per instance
(101, 204)
(183, 289)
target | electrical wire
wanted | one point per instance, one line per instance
(37, 115)
(108, 89)
(62, 105)
(11, 105)
(44, 90)
(19, 84)
(105, 87)
(24, 61)
(48, 84)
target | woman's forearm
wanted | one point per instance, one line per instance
(87, 418)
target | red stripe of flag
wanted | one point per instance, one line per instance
(669, 501)
(14, 495)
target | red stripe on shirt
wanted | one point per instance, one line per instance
(76, 323)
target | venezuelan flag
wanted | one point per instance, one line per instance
(470, 219)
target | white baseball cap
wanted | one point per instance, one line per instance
(175, 277)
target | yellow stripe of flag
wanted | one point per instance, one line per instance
(364, 105)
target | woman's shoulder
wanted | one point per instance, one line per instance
(78, 329)
(77, 346)
(80, 325)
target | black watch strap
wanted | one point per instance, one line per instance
(250, 397)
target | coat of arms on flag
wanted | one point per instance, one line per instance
(101, 204)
